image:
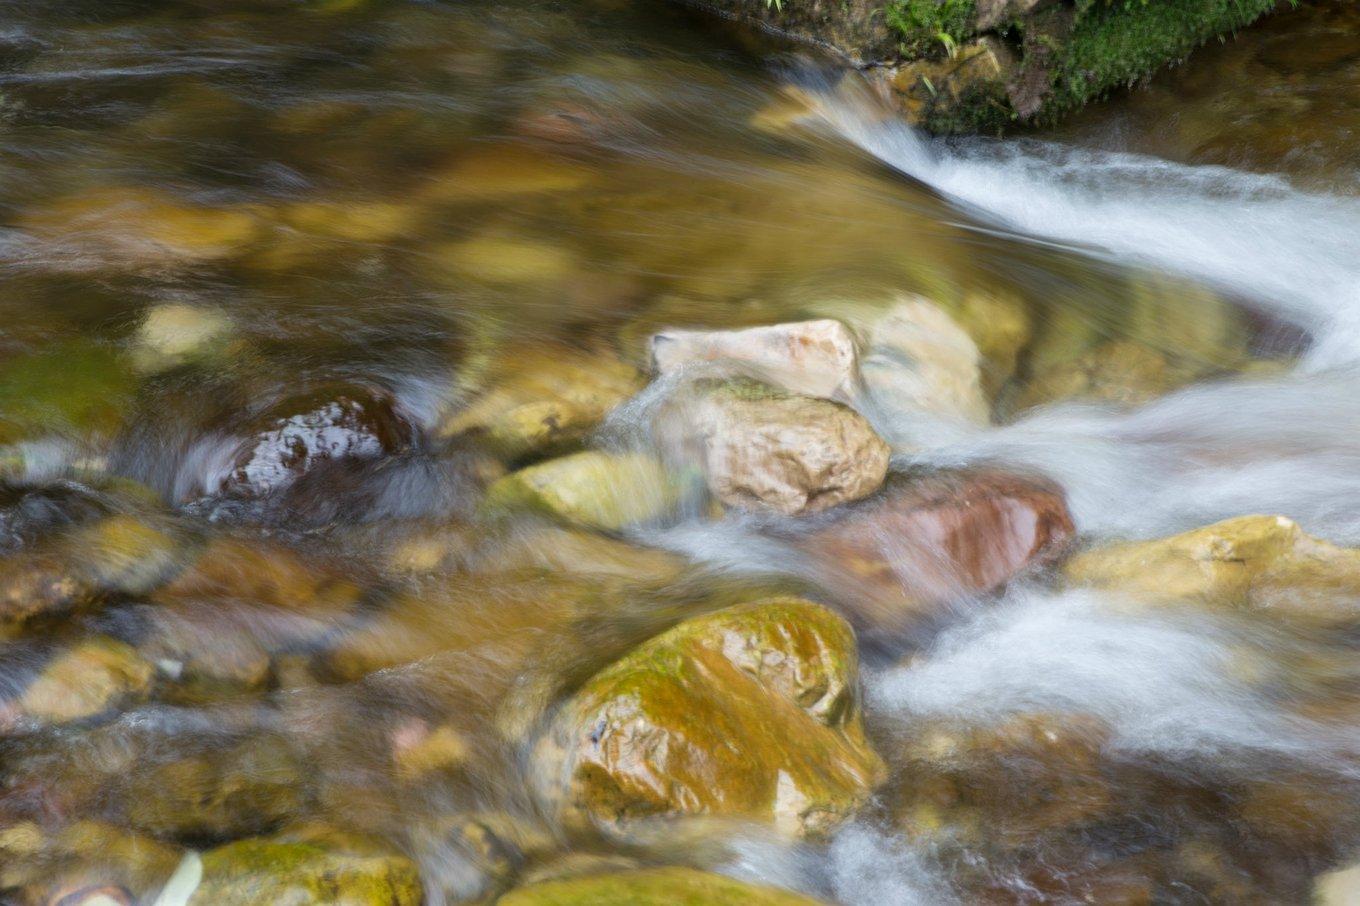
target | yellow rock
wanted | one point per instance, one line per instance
(547, 399)
(1257, 563)
(652, 887)
(504, 260)
(495, 173)
(597, 490)
(86, 680)
(748, 713)
(133, 225)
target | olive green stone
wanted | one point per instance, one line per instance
(652, 887)
(749, 713)
(603, 491)
(258, 871)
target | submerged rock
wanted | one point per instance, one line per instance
(1265, 564)
(174, 333)
(652, 887)
(750, 712)
(246, 788)
(594, 489)
(1009, 784)
(917, 359)
(87, 680)
(1339, 887)
(809, 358)
(905, 554)
(297, 434)
(83, 859)
(117, 555)
(547, 400)
(257, 871)
(764, 450)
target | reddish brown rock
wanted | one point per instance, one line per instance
(904, 554)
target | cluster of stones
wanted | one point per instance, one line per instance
(518, 636)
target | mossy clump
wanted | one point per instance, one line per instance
(1069, 54)
(1116, 43)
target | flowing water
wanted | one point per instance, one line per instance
(260, 258)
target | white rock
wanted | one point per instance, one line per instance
(790, 454)
(809, 358)
(1338, 888)
(174, 333)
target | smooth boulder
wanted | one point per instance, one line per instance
(764, 450)
(749, 713)
(926, 541)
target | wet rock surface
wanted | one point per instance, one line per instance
(923, 543)
(1262, 564)
(648, 887)
(763, 450)
(668, 730)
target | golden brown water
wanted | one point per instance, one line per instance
(273, 270)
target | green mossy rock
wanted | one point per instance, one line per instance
(74, 389)
(749, 713)
(652, 887)
(258, 871)
(597, 490)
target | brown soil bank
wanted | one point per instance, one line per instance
(984, 65)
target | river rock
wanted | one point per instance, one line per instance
(1265, 564)
(652, 887)
(761, 449)
(254, 599)
(84, 681)
(256, 871)
(809, 358)
(547, 399)
(751, 712)
(82, 860)
(75, 388)
(924, 541)
(174, 333)
(597, 490)
(62, 576)
(1339, 887)
(291, 437)
(248, 787)
(918, 359)
(1009, 784)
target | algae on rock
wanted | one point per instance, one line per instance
(748, 713)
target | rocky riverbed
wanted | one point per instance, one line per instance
(531, 454)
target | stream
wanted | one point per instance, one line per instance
(377, 526)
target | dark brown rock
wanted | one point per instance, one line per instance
(292, 437)
(904, 554)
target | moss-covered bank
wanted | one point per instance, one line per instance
(984, 65)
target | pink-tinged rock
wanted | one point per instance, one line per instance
(905, 554)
